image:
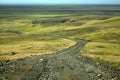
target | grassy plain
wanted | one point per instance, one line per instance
(103, 38)
(18, 35)
(23, 32)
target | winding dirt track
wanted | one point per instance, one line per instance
(67, 64)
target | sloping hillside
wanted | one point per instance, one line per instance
(103, 38)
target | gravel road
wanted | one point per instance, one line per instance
(67, 64)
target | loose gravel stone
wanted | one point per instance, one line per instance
(62, 65)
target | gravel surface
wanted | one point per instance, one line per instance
(67, 64)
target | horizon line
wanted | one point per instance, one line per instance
(59, 4)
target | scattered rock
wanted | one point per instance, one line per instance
(97, 63)
(89, 70)
(41, 59)
(20, 59)
(7, 62)
(63, 21)
(114, 79)
(99, 76)
(1, 70)
(12, 53)
(1, 64)
(72, 20)
(60, 66)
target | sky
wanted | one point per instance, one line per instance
(59, 1)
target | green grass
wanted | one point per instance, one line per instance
(102, 32)
(99, 48)
(19, 35)
(31, 45)
(103, 37)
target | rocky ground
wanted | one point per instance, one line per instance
(67, 64)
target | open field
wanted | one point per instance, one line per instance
(103, 38)
(23, 32)
(18, 35)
